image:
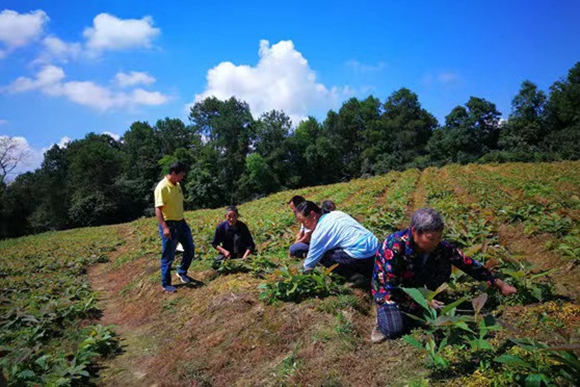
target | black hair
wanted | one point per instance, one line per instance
(306, 207)
(296, 200)
(177, 168)
(327, 206)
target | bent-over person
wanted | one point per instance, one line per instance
(413, 258)
(338, 238)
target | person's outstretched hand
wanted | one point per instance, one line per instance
(506, 289)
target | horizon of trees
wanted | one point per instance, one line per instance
(234, 157)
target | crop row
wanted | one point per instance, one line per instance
(45, 296)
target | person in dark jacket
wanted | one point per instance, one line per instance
(232, 238)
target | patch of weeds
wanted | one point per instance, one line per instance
(126, 258)
(289, 365)
(127, 288)
(324, 335)
(194, 373)
(169, 305)
(340, 302)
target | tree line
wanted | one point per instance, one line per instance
(234, 157)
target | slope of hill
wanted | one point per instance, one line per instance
(259, 322)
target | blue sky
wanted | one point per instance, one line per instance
(68, 68)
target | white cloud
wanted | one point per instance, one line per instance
(60, 50)
(133, 78)
(47, 77)
(18, 30)
(281, 80)
(111, 33)
(115, 136)
(62, 143)
(50, 81)
(365, 68)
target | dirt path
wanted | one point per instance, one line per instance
(130, 317)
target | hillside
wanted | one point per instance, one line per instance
(231, 329)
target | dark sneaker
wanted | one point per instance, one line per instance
(170, 289)
(183, 278)
(377, 336)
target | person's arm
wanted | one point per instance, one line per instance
(161, 221)
(251, 246)
(217, 240)
(305, 238)
(476, 270)
(385, 278)
(300, 235)
(322, 241)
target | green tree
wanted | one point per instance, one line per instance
(348, 131)
(95, 163)
(19, 200)
(470, 131)
(526, 125)
(173, 134)
(400, 135)
(228, 127)
(51, 212)
(563, 115)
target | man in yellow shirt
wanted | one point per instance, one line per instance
(172, 226)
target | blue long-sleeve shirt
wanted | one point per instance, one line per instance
(339, 230)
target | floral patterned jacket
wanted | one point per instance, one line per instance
(397, 264)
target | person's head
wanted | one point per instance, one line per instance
(295, 201)
(427, 229)
(327, 206)
(232, 215)
(176, 172)
(308, 213)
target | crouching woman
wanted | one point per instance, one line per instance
(415, 258)
(338, 238)
(232, 238)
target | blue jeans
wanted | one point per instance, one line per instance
(299, 250)
(180, 233)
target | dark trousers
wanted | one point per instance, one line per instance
(347, 265)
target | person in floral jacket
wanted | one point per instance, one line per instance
(414, 258)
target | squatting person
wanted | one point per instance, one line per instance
(338, 238)
(232, 238)
(413, 258)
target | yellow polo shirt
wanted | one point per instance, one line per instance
(170, 197)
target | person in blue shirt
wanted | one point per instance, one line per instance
(232, 238)
(337, 238)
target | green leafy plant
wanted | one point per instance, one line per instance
(295, 286)
(533, 363)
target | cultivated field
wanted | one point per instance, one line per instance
(85, 306)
